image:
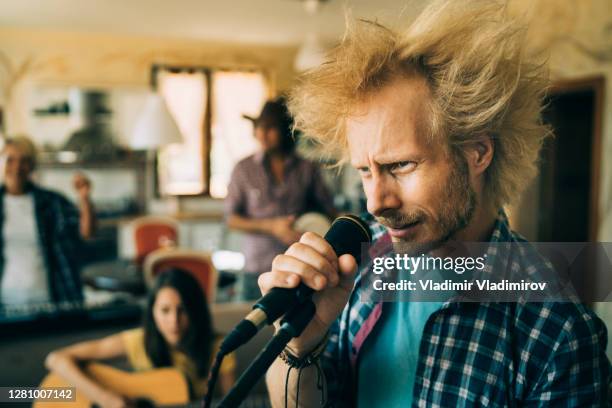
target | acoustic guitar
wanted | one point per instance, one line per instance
(159, 387)
(162, 387)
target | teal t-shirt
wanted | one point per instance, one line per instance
(388, 358)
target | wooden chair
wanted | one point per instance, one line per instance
(152, 233)
(197, 263)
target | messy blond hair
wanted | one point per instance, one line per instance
(471, 53)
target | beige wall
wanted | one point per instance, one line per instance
(577, 37)
(28, 57)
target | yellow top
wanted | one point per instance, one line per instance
(133, 341)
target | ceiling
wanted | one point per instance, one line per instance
(280, 22)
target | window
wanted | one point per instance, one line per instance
(234, 94)
(208, 106)
(181, 166)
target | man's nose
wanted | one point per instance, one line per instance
(382, 194)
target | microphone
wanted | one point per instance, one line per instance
(346, 235)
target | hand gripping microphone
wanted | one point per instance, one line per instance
(346, 235)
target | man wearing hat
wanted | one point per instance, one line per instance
(268, 190)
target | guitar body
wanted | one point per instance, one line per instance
(163, 386)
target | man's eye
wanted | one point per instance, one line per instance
(363, 171)
(402, 166)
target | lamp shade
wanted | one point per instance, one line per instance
(155, 126)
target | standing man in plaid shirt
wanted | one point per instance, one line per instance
(443, 124)
(41, 243)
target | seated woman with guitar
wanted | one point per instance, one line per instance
(177, 333)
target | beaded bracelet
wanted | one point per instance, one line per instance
(295, 362)
(299, 363)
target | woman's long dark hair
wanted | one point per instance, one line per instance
(198, 340)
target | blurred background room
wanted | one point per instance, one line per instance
(146, 102)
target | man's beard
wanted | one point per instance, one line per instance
(456, 210)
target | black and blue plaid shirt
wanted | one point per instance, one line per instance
(57, 222)
(485, 354)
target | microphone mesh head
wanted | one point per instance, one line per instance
(348, 235)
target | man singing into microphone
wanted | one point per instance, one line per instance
(443, 124)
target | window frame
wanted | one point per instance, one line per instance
(208, 72)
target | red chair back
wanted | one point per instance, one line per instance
(196, 263)
(152, 233)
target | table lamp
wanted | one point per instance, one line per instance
(154, 129)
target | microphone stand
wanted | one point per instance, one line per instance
(292, 325)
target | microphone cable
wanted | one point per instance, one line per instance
(212, 378)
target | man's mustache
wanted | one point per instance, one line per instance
(397, 220)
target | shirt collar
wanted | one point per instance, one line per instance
(495, 260)
(501, 231)
(260, 157)
(30, 187)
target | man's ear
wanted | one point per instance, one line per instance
(479, 155)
